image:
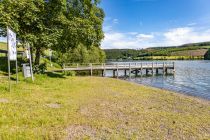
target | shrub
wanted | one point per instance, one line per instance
(70, 73)
(40, 69)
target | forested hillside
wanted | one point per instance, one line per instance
(207, 55)
(187, 51)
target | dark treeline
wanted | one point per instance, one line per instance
(207, 55)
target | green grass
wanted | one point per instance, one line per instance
(57, 107)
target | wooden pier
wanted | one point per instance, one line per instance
(128, 69)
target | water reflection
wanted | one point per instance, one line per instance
(191, 78)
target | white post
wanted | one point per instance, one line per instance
(32, 75)
(8, 56)
(16, 72)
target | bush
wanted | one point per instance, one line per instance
(207, 55)
(70, 73)
(40, 69)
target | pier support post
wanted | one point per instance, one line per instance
(104, 70)
(114, 73)
(157, 71)
(117, 71)
(141, 69)
(163, 68)
(147, 71)
(166, 72)
(174, 68)
(102, 73)
(125, 72)
(136, 72)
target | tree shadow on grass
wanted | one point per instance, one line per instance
(55, 75)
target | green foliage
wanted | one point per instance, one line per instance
(207, 55)
(58, 24)
(70, 73)
(40, 69)
(82, 54)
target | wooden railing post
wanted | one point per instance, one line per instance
(64, 68)
(104, 69)
(91, 69)
(117, 70)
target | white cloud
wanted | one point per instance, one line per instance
(144, 37)
(179, 36)
(192, 24)
(172, 37)
(115, 21)
(125, 40)
(107, 28)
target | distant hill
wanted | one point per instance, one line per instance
(186, 51)
(3, 46)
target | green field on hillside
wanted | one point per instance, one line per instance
(188, 51)
(59, 107)
(3, 46)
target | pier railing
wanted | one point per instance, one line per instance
(120, 65)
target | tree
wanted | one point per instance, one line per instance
(58, 24)
(207, 55)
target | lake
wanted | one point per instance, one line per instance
(191, 78)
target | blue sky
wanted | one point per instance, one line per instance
(148, 23)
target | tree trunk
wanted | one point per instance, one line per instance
(38, 55)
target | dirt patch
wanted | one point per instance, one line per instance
(56, 106)
(77, 132)
(80, 132)
(3, 100)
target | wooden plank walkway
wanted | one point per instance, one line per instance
(152, 67)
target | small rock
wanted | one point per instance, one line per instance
(54, 105)
(3, 100)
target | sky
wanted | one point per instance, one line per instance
(137, 24)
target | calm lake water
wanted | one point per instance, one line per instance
(191, 78)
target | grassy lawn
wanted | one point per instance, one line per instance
(57, 107)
